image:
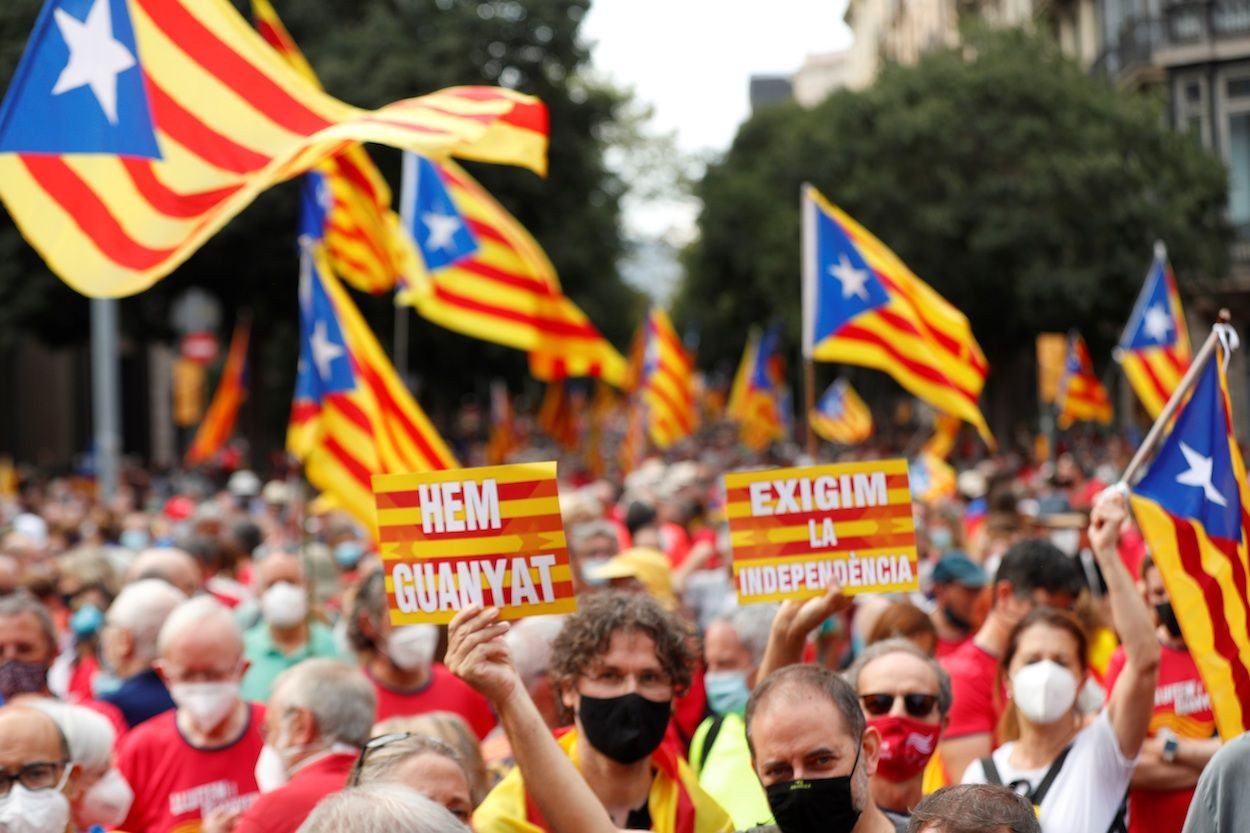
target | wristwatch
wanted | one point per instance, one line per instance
(1171, 745)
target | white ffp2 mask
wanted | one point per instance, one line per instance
(1043, 691)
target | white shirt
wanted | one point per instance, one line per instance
(1086, 794)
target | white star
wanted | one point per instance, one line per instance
(443, 228)
(1199, 474)
(96, 58)
(324, 351)
(1157, 324)
(852, 279)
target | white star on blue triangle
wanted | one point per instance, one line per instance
(760, 378)
(439, 229)
(325, 362)
(79, 86)
(1192, 476)
(1143, 331)
(831, 403)
(314, 206)
(845, 286)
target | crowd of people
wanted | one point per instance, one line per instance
(199, 654)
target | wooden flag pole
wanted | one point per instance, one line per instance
(1174, 402)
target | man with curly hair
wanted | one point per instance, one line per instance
(616, 665)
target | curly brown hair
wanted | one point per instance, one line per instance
(586, 634)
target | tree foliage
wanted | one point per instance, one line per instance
(370, 52)
(1024, 191)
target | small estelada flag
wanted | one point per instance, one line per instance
(794, 530)
(488, 536)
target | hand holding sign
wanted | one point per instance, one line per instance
(472, 538)
(796, 532)
(477, 653)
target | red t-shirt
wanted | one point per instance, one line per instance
(177, 784)
(443, 692)
(284, 809)
(973, 671)
(1182, 705)
(946, 647)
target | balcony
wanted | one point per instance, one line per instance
(1187, 32)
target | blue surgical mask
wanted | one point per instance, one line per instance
(347, 554)
(941, 538)
(135, 539)
(727, 691)
(86, 621)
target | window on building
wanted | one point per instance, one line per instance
(1236, 108)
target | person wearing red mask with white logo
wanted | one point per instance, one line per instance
(905, 695)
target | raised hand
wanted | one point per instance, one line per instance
(477, 653)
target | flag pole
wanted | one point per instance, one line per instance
(807, 247)
(1174, 402)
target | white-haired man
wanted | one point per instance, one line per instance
(128, 643)
(196, 763)
(319, 718)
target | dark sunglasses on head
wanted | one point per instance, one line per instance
(373, 744)
(917, 705)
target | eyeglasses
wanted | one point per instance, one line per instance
(40, 775)
(917, 705)
(422, 743)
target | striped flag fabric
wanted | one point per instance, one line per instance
(1154, 349)
(1191, 506)
(666, 382)
(218, 423)
(133, 130)
(1081, 395)
(841, 416)
(559, 415)
(863, 306)
(352, 417)
(754, 396)
(361, 234)
(504, 438)
(508, 292)
(945, 434)
(932, 478)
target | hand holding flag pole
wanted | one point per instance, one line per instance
(1221, 331)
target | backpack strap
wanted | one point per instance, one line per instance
(708, 740)
(991, 772)
(1119, 824)
(1051, 774)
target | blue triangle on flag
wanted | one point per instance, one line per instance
(439, 229)
(845, 285)
(314, 207)
(325, 364)
(1153, 324)
(1192, 476)
(79, 87)
(761, 378)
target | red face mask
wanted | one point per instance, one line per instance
(907, 745)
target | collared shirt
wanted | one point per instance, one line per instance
(284, 809)
(268, 660)
(140, 697)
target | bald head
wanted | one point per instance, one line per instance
(200, 635)
(30, 736)
(175, 566)
(276, 567)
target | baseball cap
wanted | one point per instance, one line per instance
(957, 568)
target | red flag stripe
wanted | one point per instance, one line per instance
(388, 403)
(355, 233)
(511, 279)
(348, 168)
(90, 214)
(1155, 382)
(342, 402)
(558, 327)
(199, 138)
(217, 58)
(345, 459)
(1191, 560)
(676, 409)
(302, 410)
(481, 229)
(1175, 361)
(928, 372)
(168, 201)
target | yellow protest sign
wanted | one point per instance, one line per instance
(486, 536)
(792, 530)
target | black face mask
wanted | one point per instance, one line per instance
(959, 622)
(822, 805)
(1167, 618)
(626, 728)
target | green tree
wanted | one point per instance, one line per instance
(370, 52)
(1024, 191)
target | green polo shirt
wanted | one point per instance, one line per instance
(268, 660)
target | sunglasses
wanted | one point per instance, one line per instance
(917, 705)
(420, 742)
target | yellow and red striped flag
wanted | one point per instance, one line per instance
(504, 438)
(932, 478)
(559, 415)
(117, 174)
(507, 292)
(1081, 395)
(218, 422)
(1192, 506)
(841, 416)
(753, 399)
(1154, 349)
(863, 306)
(666, 381)
(945, 434)
(352, 417)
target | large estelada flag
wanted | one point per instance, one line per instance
(1154, 349)
(219, 419)
(1191, 506)
(1081, 395)
(754, 398)
(863, 306)
(841, 416)
(134, 129)
(352, 417)
(666, 381)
